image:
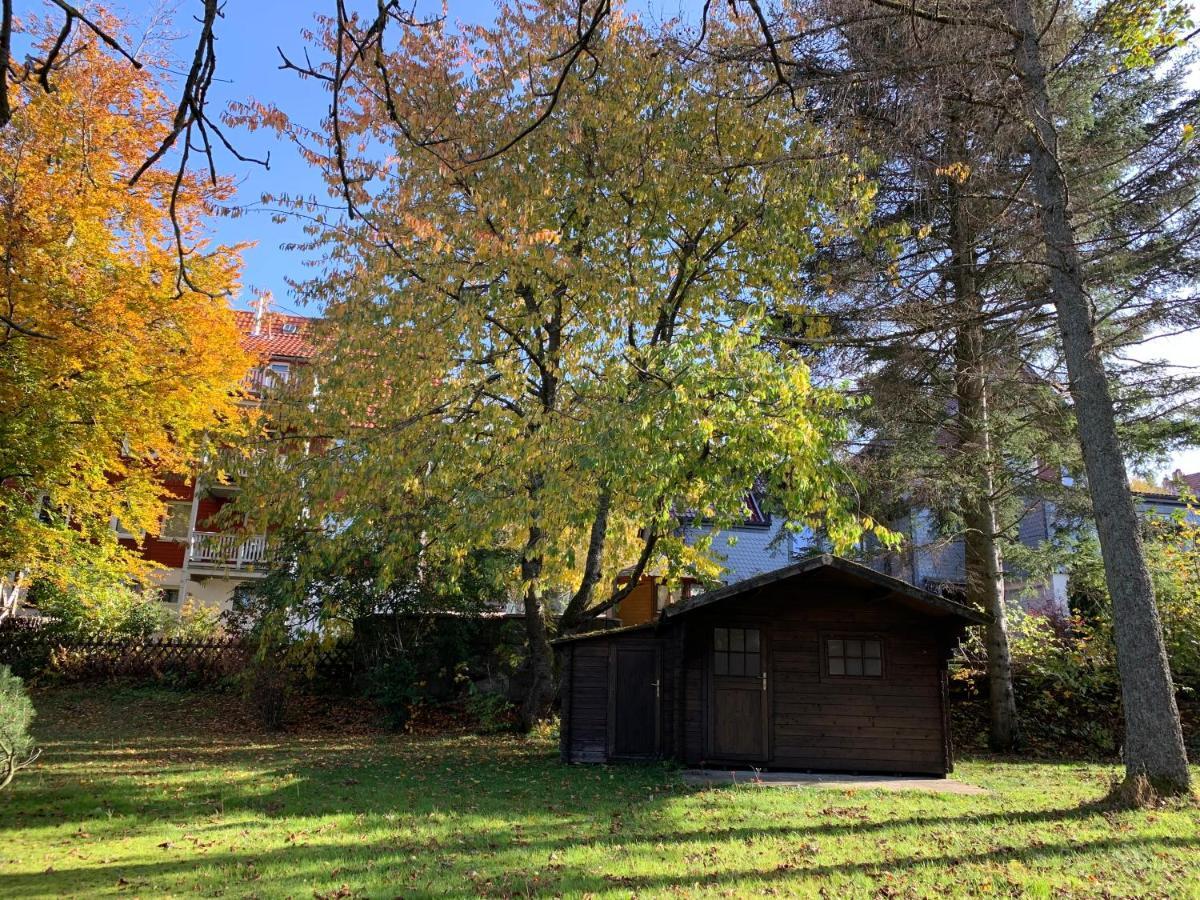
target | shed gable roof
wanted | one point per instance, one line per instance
(914, 597)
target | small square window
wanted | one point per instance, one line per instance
(854, 657)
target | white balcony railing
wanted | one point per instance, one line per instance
(212, 549)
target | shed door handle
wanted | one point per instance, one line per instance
(656, 687)
(764, 677)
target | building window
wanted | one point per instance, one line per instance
(737, 651)
(854, 657)
(278, 373)
(169, 595)
(177, 522)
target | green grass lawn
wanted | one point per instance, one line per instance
(148, 793)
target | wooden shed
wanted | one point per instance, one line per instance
(823, 665)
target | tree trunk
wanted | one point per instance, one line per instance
(540, 695)
(984, 562)
(985, 588)
(1153, 736)
(593, 567)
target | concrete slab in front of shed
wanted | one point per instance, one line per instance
(841, 782)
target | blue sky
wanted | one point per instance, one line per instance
(248, 65)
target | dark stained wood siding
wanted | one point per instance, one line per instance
(693, 641)
(587, 702)
(895, 723)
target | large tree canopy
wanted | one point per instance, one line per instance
(563, 349)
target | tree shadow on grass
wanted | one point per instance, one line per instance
(513, 819)
(298, 870)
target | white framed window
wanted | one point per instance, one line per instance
(176, 522)
(277, 373)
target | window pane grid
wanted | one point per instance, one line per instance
(854, 657)
(737, 652)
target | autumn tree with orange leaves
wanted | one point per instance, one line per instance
(113, 367)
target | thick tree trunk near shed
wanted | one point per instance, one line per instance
(1153, 737)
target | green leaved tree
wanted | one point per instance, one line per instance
(560, 350)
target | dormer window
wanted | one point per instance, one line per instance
(290, 328)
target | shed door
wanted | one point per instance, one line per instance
(634, 693)
(738, 695)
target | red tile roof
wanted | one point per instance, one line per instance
(276, 334)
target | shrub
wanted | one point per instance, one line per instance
(268, 683)
(392, 683)
(491, 712)
(16, 714)
(1065, 679)
(197, 622)
(102, 609)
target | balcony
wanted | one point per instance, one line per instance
(213, 553)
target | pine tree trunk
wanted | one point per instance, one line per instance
(985, 588)
(984, 562)
(1153, 736)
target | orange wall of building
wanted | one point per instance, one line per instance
(638, 607)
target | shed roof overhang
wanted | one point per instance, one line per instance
(824, 566)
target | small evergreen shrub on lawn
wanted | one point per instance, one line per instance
(490, 712)
(16, 715)
(392, 684)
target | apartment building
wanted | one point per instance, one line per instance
(199, 560)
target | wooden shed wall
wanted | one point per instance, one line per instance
(584, 730)
(896, 723)
(587, 704)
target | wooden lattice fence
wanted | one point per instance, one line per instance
(32, 652)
